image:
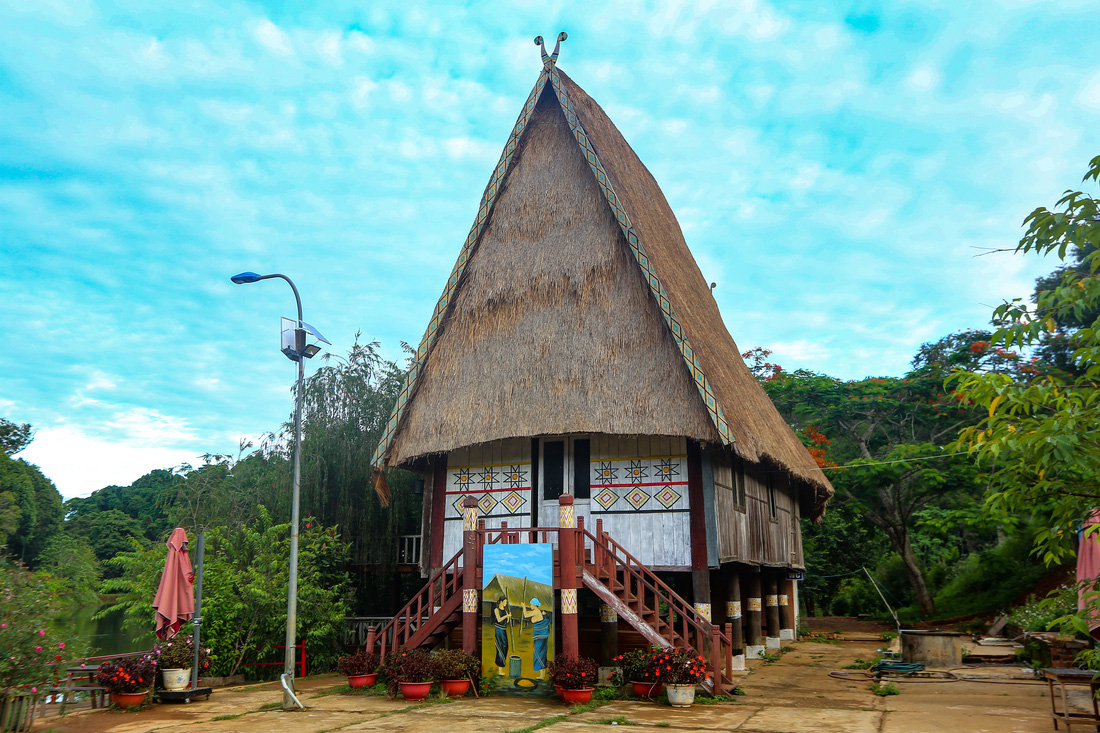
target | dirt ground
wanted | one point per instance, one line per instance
(794, 695)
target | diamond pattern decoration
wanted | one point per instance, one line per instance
(513, 501)
(486, 503)
(458, 504)
(637, 498)
(606, 498)
(667, 497)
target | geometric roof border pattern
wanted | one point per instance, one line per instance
(657, 289)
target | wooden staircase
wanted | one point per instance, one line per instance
(604, 566)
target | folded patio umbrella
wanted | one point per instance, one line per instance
(175, 600)
(1088, 569)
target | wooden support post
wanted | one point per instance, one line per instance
(700, 572)
(754, 642)
(567, 560)
(470, 591)
(771, 608)
(786, 610)
(734, 619)
(372, 638)
(716, 659)
(609, 635)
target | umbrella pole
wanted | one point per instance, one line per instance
(198, 610)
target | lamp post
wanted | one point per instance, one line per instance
(295, 352)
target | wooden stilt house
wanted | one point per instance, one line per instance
(577, 357)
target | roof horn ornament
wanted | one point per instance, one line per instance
(551, 59)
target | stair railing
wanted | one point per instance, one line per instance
(443, 584)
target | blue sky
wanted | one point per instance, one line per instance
(835, 167)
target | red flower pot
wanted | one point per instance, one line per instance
(647, 689)
(415, 691)
(577, 697)
(454, 688)
(127, 699)
(557, 689)
(358, 681)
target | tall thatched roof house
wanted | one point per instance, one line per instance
(577, 349)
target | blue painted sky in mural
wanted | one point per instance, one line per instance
(835, 168)
(534, 562)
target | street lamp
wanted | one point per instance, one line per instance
(295, 348)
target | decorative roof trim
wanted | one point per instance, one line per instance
(636, 248)
(412, 379)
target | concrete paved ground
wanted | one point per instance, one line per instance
(793, 695)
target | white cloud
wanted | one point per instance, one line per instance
(273, 38)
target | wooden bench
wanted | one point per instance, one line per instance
(1067, 676)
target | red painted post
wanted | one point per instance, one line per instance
(567, 559)
(470, 590)
(716, 659)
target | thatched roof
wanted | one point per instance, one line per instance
(576, 307)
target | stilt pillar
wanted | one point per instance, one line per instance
(609, 635)
(470, 591)
(771, 608)
(734, 619)
(786, 609)
(754, 641)
(567, 561)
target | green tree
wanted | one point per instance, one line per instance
(72, 568)
(147, 500)
(107, 533)
(1039, 433)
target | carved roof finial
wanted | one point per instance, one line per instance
(551, 59)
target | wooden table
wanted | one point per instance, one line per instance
(87, 673)
(1067, 676)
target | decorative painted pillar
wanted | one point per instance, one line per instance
(754, 641)
(567, 561)
(771, 608)
(609, 635)
(734, 618)
(470, 591)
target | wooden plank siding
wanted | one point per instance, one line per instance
(749, 531)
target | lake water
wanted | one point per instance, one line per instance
(105, 635)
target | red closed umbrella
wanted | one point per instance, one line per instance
(1088, 573)
(175, 600)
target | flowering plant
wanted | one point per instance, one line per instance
(639, 665)
(179, 653)
(680, 666)
(455, 664)
(129, 674)
(574, 673)
(410, 665)
(31, 654)
(363, 661)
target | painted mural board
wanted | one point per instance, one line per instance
(517, 620)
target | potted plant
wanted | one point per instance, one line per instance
(680, 669)
(639, 668)
(413, 671)
(360, 667)
(175, 659)
(576, 676)
(456, 669)
(128, 679)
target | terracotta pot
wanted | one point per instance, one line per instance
(176, 679)
(579, 696)
(647, 689)
(415, 690)
(454, 688)
(358, 681)
(127, 699)
(681, 696)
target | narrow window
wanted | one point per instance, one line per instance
(770, 479)
(582, 475)
(739, 482)
(553, 468)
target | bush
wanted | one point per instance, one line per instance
(455, 664)
(179, 653)
(31, 653)
(130, 674)
(410, 665)
(639, 665)
(1038, 615)
(363, 661)
(574, 673)
(680, 666)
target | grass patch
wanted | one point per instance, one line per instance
(663, 724)
(884, 689)
(821, 638)
(769, 657)
(269, 706)
(861, 663)
(617, 720)
(719, 699)
(587, 707)
(541, 724)
(227, 717)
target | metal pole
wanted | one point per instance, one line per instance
(198, 612)
(289, 701)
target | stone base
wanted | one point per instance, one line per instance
(772, 642)
(786, 634)
(753, 651)
(605, 675)
(738, 663)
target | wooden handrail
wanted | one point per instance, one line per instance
(442, 584)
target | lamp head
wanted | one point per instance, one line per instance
(246, 277)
